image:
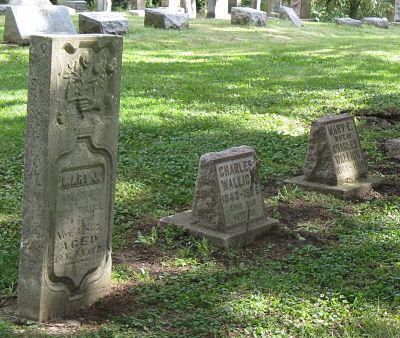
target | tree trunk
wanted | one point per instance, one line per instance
(354, 6)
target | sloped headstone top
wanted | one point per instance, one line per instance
(70, 159)
(334, 154)
(335, 162)
(348, 22)
(377, 22)
(288, 13)
(103, 22)
(228, 207)
(166, 19)
(23, 21)
(248, 16)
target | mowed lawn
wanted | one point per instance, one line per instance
(331, 269)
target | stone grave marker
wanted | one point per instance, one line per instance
(228, 208)
(335, 162)
(248, 16)
(166, 19)
(287, 13)
(103, 23)
(348, 22)
(397, 11)
(23, 21)
(70, 159)
(377, 22)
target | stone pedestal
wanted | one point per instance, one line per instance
(335, 163)
(69, 178)
(228, 208)
(103, 23)
(166, 19)
(248, 16)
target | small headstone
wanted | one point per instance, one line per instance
(103, 23)
(335, 162)
(218, 9)
(248, 16)
(348, 22)
(23, 21)
(377, 22)
(103, 5)
(228, 207)
(70, 158)
(287, 13)
(166, 19)
(393, 148)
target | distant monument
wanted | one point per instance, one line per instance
(228, 207)
(70, 158)
(335, 163)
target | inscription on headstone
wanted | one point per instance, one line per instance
(345, 148)
(228, 207)
(240, 195)
(335, 162)
(23, 21)
(70, 155)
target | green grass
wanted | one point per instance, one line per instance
(206, 89)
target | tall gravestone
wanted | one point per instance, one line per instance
(335, 162)
(228, 208)
(70, 157)
(397, 11)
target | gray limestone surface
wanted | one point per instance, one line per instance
(228, 205)
(377, 22)
(287, 13)
(334, 153)
(348, 22)
(23, 21)
(248, 16)
(166, 19)
(335, 163)
(393, 148)
(70, 159)
(103, 23)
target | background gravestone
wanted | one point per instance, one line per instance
(23, 21)
(228, 207)
(103, 23)
(335, 162)
(70, 157)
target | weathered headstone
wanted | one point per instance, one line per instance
(228, 208)
(248, 16)
(348, 22)
(335, 162)
(103, 5)
(103, 23)
(287, 13)
(377, 22)
(217, 9)
(23, 21)
(166, 19)
(70, 157)
(393, 148)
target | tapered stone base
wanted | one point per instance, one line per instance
(232, 238)
(352, 191)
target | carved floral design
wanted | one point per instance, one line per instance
(86, 81)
